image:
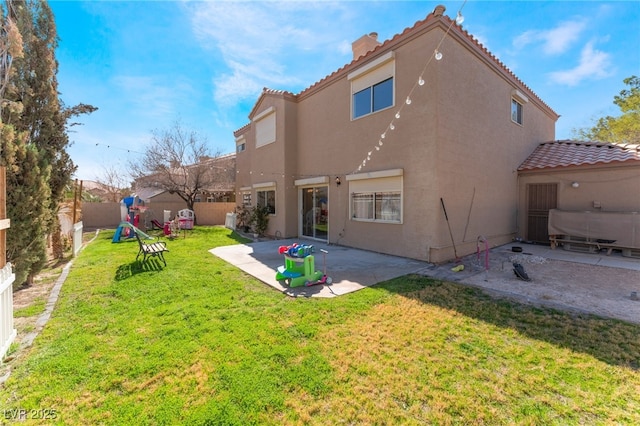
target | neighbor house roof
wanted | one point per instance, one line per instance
(147, 193)
(567, 153)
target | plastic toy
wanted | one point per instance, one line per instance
(297, 250)
(299, 266)
(325, 279)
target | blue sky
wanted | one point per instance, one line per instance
(148, 64)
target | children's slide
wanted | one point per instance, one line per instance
(126, 225)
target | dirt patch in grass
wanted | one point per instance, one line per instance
(594, 289)
(24, 298)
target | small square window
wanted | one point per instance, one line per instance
(516, 111)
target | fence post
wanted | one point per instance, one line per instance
(77, 238)
(7, 277)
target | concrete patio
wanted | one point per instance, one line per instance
(350, 269)
(353, 269)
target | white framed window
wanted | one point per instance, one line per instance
(265, 127)
(376, 196)
(266, 195)
(372, 86)
(241, 144)
(377, 206)
(373, 98)
(516, 111)
(267, 198)
(246, 199)
(518, 99)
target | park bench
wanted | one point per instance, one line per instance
(151, 249)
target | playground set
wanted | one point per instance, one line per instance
(299, 266)
(131, 209)
(183, 221)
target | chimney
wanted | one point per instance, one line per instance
(439, 10)
(364, 44)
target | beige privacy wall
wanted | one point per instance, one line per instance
(108, 215)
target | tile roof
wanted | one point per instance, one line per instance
(577, 153)
(431, 18)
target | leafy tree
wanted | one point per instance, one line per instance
(113, 183)
(173, 162)
(180, 162)
(624, 128)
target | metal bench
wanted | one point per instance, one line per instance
(151, 249)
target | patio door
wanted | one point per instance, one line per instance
(315, 212)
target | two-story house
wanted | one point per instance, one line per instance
(373, 155)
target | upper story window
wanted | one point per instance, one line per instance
(241, 147)
(373, 98)
(265, 127)
(516, 111)
(518, 99)
(372, 86)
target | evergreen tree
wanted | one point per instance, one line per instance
(37, 87)
(26, 190)
(34, 139)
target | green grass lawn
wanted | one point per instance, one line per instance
(201, 343)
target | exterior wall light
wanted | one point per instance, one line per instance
(575, 184)
(338, 181)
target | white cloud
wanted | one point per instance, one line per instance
(594, 64)
(255, 40)
(344, 47)
(152, 96)
(554, 41)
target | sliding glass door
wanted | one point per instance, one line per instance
(315, 212)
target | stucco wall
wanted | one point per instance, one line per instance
(479, 149)
(600, 188)
(455, 141)
(100, 215)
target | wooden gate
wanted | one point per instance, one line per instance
(541, 197)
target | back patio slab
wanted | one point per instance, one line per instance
(581, 282)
